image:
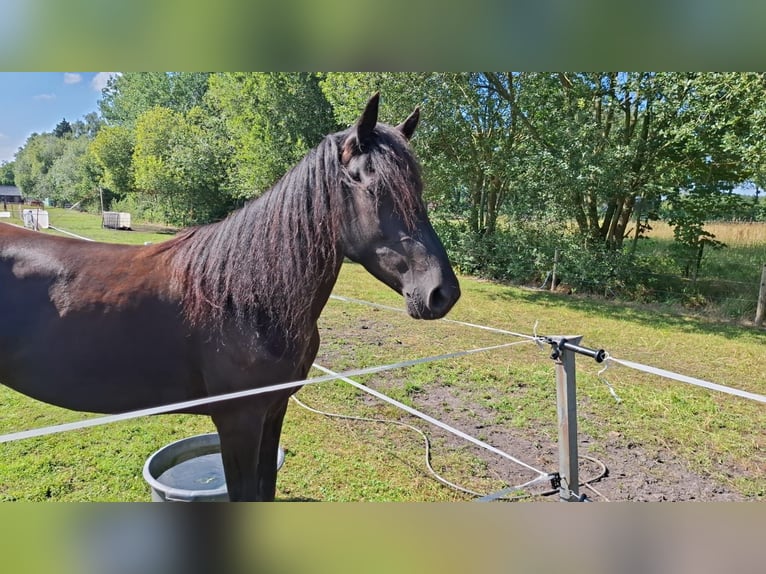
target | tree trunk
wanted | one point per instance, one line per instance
(624, 220)
(612, 233)
(495, 197)
(698, 261)
(474, 216)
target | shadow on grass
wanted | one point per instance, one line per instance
(653, 315)
(155, 228)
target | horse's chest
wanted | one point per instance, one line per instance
(255, 360)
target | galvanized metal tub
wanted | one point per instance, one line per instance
(190, 470)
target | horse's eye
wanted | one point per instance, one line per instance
(362, 172)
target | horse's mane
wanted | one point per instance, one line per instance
(264, 263)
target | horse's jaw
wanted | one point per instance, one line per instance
(429, 288)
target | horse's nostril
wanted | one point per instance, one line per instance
(437, 300)
(441, 299)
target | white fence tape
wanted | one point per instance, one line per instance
(185, 405)
(688, 380)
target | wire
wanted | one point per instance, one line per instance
(186, 405)
(688, 380)
(503, 494)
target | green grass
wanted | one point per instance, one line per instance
(88, 225)
(341, 460)
(729, 277)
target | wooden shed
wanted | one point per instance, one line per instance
(10, 194)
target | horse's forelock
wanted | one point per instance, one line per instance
(398, 174)
(396, 170)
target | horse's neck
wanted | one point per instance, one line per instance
(324, 290)
(318, 270)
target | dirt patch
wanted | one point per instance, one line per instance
(629, 472)
(620, 470)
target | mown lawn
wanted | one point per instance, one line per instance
(344, 460)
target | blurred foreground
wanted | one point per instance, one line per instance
(446, 538)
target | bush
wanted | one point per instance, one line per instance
(519, 253)
(523, 253)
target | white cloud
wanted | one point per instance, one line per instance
(45, 97)
(100, 80)
(70, 78)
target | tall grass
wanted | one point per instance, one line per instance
(735, 233)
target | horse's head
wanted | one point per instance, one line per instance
(386, 227)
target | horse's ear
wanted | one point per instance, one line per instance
(407, 127)
(367, 121)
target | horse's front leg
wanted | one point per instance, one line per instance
(267, 462)
(241, 429)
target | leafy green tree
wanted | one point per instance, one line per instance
(73, 177)
(129, 95)
(272, 121)
(88, 126)
(179, 166)
(34, 161)
(612, 140)
(112, 154)
(7, 176)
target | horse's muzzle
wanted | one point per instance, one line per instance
(435, 303)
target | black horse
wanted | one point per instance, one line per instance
(227, 306)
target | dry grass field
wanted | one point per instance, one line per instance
(734, 233)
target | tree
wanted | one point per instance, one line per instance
(72, 177)
(88, 126)
(179, 167)
(272, 120)
(112, 153)
(34, 161)
(129, 95)
(7, 176)
(611, 140)
(62, 129)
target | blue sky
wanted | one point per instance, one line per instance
(36, 101)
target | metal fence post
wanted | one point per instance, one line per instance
(760, 312)
(566, 408)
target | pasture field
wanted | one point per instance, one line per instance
(729, 277)
(664, 440)
(735, 233)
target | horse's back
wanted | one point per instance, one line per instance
(90, 326)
